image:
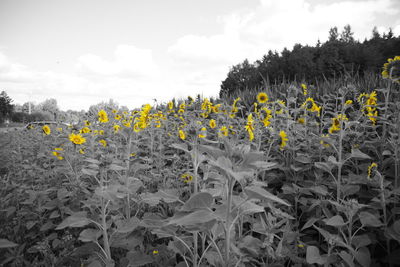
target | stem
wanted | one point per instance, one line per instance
(104, 226)
(128, 155)
(339, 176)
(227, 223)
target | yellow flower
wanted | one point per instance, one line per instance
(85, 130)
(223, 131)
(249, 127)
(284, 139)
(310, 105)
(322, 141)
(117, 117)
(101, 132)
(103, 142)
(170, 105)
(82, 151)
(262, 97)
(304, 88)
(59, 129)
(46, 129)
(57, 155)
(77, 139)
(391, 69)
(103, 117)
(181, 111)
(373, 164)
(349, 102)
(114, 111)
(186, 177)
(58, 149)
(203, 133)
(301, 120)
(182, 135)
(116, 128)
(87, 123)
(155, 252)
(336, 123)
(213, 124)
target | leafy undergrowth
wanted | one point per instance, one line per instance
(295, 181)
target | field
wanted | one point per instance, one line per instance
(298, 180)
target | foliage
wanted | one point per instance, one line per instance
(297, 180)
(6, 108)
(339, 56)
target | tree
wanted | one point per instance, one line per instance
(6, 108)
(333, 34)
(49, 106)
(347, 35)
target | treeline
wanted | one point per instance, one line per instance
(340, 55)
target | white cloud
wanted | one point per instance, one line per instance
(129, 62)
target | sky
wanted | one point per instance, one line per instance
(82, 52)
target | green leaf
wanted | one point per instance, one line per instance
(90, 172)
(260, 193)
(196, 217)
(356, 153)
(127, 226)
(309, 223)
(347, 258)
(79, 219)
(201, 200)
(182, 146)
(313, 256)
(4, 243)
(369, 219)
(89, 235)
(264, 165)
(363, 257)
(336, 221)
(323, 166)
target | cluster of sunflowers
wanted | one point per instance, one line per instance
(217, 119)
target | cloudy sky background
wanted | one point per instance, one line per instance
(85, 52)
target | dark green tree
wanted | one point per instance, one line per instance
(6, 108)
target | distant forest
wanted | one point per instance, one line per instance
(340, 55)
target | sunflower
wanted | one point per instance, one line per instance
(103, 117)
(85, 130)
(103, 142)
(116, 128)
(77, 139)
(284, 139)
(213, 123)
(182, 135)
(391, 69)
(223, 131)
(262, 98)
(46, 129)
(373, 164)
(203, 133)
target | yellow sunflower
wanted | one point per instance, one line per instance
(77, 139)
(391, 69)
(103, 117)
(262, 97)
(46, 130)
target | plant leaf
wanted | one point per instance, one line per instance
(313, 256)
(260, 193)
(4, 243)
(369, 219)
(200, 200)
(336, 221)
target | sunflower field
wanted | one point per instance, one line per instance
(300, 180)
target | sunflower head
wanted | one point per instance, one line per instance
(46, 129)
(262, 98)
(391, 69)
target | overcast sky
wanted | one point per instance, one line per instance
(82, 52)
